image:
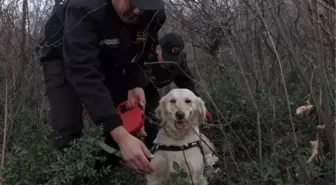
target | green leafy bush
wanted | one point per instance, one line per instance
(31, 158)
(235, 134)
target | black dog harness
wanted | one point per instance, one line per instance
(157, 147)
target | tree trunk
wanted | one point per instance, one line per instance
(324, 105)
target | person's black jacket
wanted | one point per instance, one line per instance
(50, 47)
(178, 73)
(97, 46)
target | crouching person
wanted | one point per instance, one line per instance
(87, 61)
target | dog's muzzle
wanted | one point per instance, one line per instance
(180, 122)
(180, 115)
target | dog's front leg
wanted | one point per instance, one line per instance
(152, 179)
(198, 179)
(203, 181)
(161, 169)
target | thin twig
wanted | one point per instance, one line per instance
(282, 77)
(4, 140)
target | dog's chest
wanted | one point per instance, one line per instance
(190, 160)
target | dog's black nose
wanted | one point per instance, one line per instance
(179, 114)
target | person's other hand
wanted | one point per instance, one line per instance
(133, 151)
(136, 96)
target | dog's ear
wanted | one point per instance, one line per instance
(201, 109)
(158, 110)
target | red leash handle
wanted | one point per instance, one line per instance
(121, 106)
(133, 119)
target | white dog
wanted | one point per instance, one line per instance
(181, 113)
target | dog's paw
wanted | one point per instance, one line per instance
(211, 160)
(210, 173)
(216, 171)
(211, 168)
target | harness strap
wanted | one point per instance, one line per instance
(157, 147)
(202, 150)
(174, 148)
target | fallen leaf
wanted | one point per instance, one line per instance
(315, 146)
(304, 110)
(321, 127)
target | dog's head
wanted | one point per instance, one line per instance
(180, 110)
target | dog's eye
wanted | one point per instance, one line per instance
(188, 100)
(172, 101)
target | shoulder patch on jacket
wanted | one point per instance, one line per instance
(110, 42)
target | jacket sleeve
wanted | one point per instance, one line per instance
(80, 50)
(185, 78)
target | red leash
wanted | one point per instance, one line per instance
(133, 119)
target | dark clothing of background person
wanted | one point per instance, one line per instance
(91, 63)
(174, 68)
(162, 74)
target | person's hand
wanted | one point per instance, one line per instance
(142, 132)
(136, 96)
(136, 154)
(133, 151)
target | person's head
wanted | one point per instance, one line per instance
(130, 10)
(170, 49)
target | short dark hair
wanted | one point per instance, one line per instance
(171, 40)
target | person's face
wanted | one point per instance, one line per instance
(126, 11)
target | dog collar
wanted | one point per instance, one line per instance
(157, 147)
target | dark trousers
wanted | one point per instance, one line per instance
(66, 109)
